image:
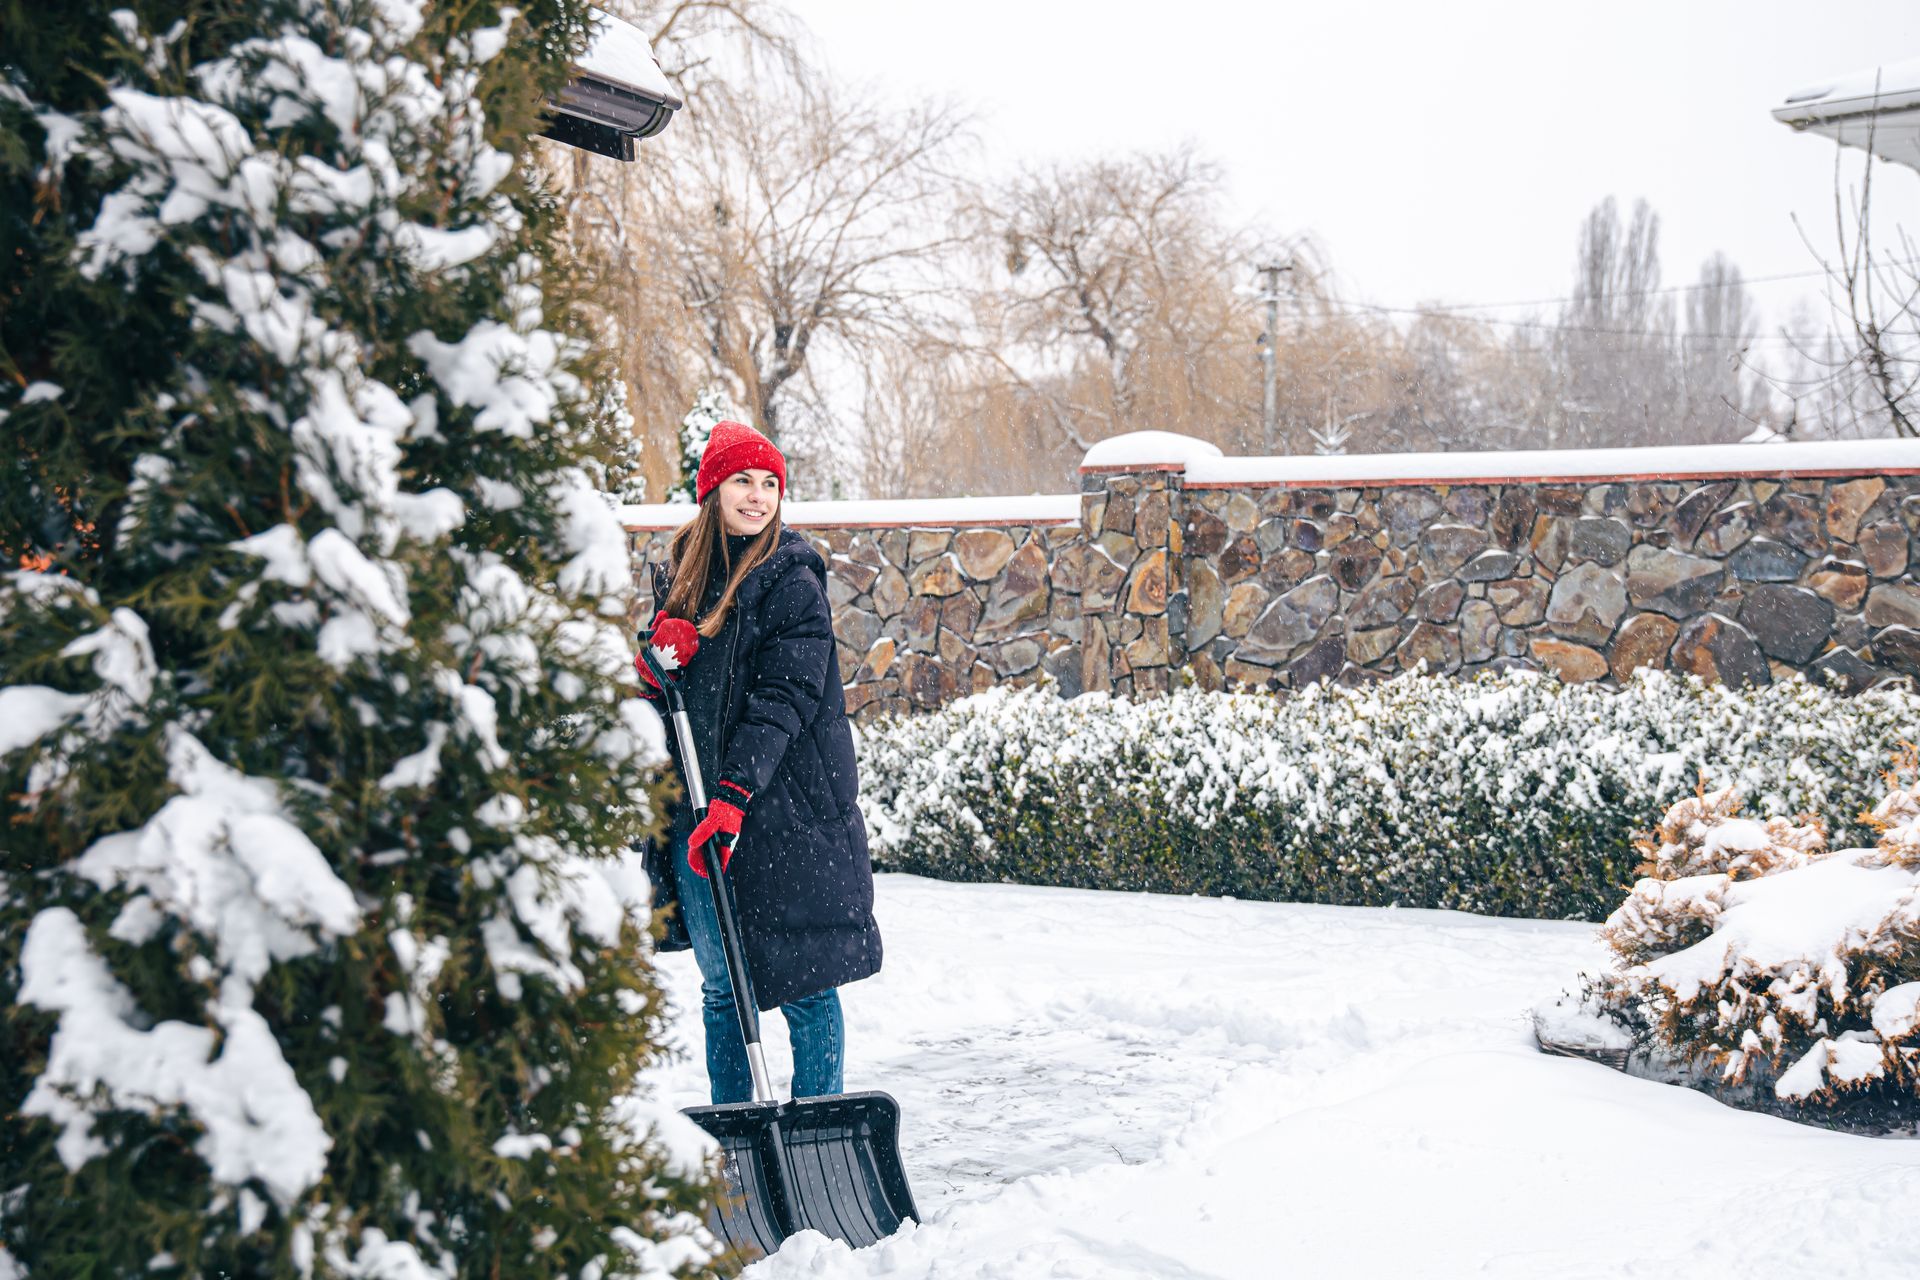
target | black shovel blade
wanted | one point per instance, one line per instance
(829, 1164)
(751, 1215)
(848, 1181)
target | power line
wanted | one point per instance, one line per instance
(1358, 308)
(1671, 288)
(1452, 311)
(1636, 293)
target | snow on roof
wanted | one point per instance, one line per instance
(1035, 508)
(1877, 108)
(1146, 449)
(1889, 84)
(1652, 462)
(621, 55)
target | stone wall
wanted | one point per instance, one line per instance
(1739, 580)
(1254, 579)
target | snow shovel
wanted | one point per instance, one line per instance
(829, 1164)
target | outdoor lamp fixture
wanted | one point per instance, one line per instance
(618, 94)
(1877, 109)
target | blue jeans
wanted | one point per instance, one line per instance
(814, 1024)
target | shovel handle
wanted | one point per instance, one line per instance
(719, 884)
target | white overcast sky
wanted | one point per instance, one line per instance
(1439, 150)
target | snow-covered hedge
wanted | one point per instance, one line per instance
(1510, 795)
(1757, 962)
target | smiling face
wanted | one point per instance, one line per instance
(748, 500)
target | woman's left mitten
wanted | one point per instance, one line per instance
(722, 819)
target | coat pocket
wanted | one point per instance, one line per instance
(827, 878)
(806, 782)
(818, 771)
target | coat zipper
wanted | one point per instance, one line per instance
(726, 694)
(726, 689)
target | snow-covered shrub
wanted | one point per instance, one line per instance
(1511, 794)
(1705, 833)
(1897, 817)
(320, 950)
(1758, 960)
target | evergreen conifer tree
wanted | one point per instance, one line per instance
(320, 953)
(709, 407)
(625, 479)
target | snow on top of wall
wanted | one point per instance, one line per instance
(621, 54)
(1205, 465)
(1146, 448)
(1033, 508)
(1852, 456)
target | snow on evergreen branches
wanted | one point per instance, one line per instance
(122, 660)
(223, 858)
(259, 1124)
(328, 751)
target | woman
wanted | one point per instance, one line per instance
(769, 718)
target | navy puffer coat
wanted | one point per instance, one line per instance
(801, 872)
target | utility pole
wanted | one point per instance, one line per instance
(1269, 355)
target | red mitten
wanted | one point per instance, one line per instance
(648, 687)
(721, 817)
(674, 641)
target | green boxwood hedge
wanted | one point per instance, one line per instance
(1507, 794)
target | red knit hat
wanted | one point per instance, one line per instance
(735, 446)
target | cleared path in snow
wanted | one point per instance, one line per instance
(1127, 1085)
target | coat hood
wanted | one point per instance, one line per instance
(791, 552)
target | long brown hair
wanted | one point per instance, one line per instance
(692, 553)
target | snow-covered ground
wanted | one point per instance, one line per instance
(1106, 1085)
